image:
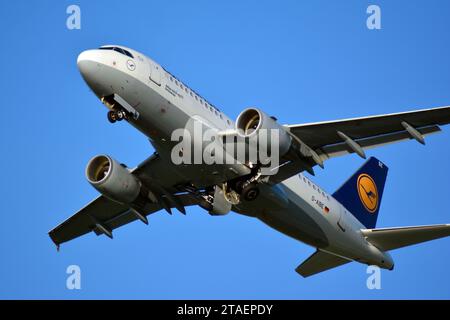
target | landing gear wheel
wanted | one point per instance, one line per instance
(112, 116)
(120, 115)
(250, 192)
(239, 186)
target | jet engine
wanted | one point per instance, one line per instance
(270, 134)
(112, 179)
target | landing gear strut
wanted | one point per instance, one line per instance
(116, 115)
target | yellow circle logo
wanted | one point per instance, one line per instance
(368, 192)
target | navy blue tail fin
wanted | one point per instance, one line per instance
(361, 194)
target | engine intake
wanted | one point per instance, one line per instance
(253, 122)
(112, 179)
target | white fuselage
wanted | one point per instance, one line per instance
(163, 103)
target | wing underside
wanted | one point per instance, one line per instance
(103, 215)
(325, 140)
(334, 138)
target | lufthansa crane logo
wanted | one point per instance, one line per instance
(368, 192)
(131, 65)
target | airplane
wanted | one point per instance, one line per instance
(340, 226)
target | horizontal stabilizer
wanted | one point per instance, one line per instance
(393, 238)
(318, 262)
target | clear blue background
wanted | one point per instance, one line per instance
(301, 61)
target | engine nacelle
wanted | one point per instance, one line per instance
(112, 180)
(253, 122)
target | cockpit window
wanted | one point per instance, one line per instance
(120, 50)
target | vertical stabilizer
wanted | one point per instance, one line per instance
(361, 194)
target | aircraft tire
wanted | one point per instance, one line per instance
(112, 116)
(250, 192)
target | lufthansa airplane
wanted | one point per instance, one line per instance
(341, 226)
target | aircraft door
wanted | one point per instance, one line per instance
(155, 73)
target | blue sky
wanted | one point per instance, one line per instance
(302, 61)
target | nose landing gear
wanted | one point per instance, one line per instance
(116, 115)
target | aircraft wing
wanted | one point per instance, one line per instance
(335, 138)
(103, 215)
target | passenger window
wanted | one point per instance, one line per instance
(171, 79)
(176, 82)
(196, 98)
(228, 121)
(221, 116)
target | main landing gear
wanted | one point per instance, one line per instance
(116, 115)
(247, 190)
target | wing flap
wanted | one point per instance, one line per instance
(318, 262)
(394, 238)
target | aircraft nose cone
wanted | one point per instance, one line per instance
(88, 64)
(82, 56)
